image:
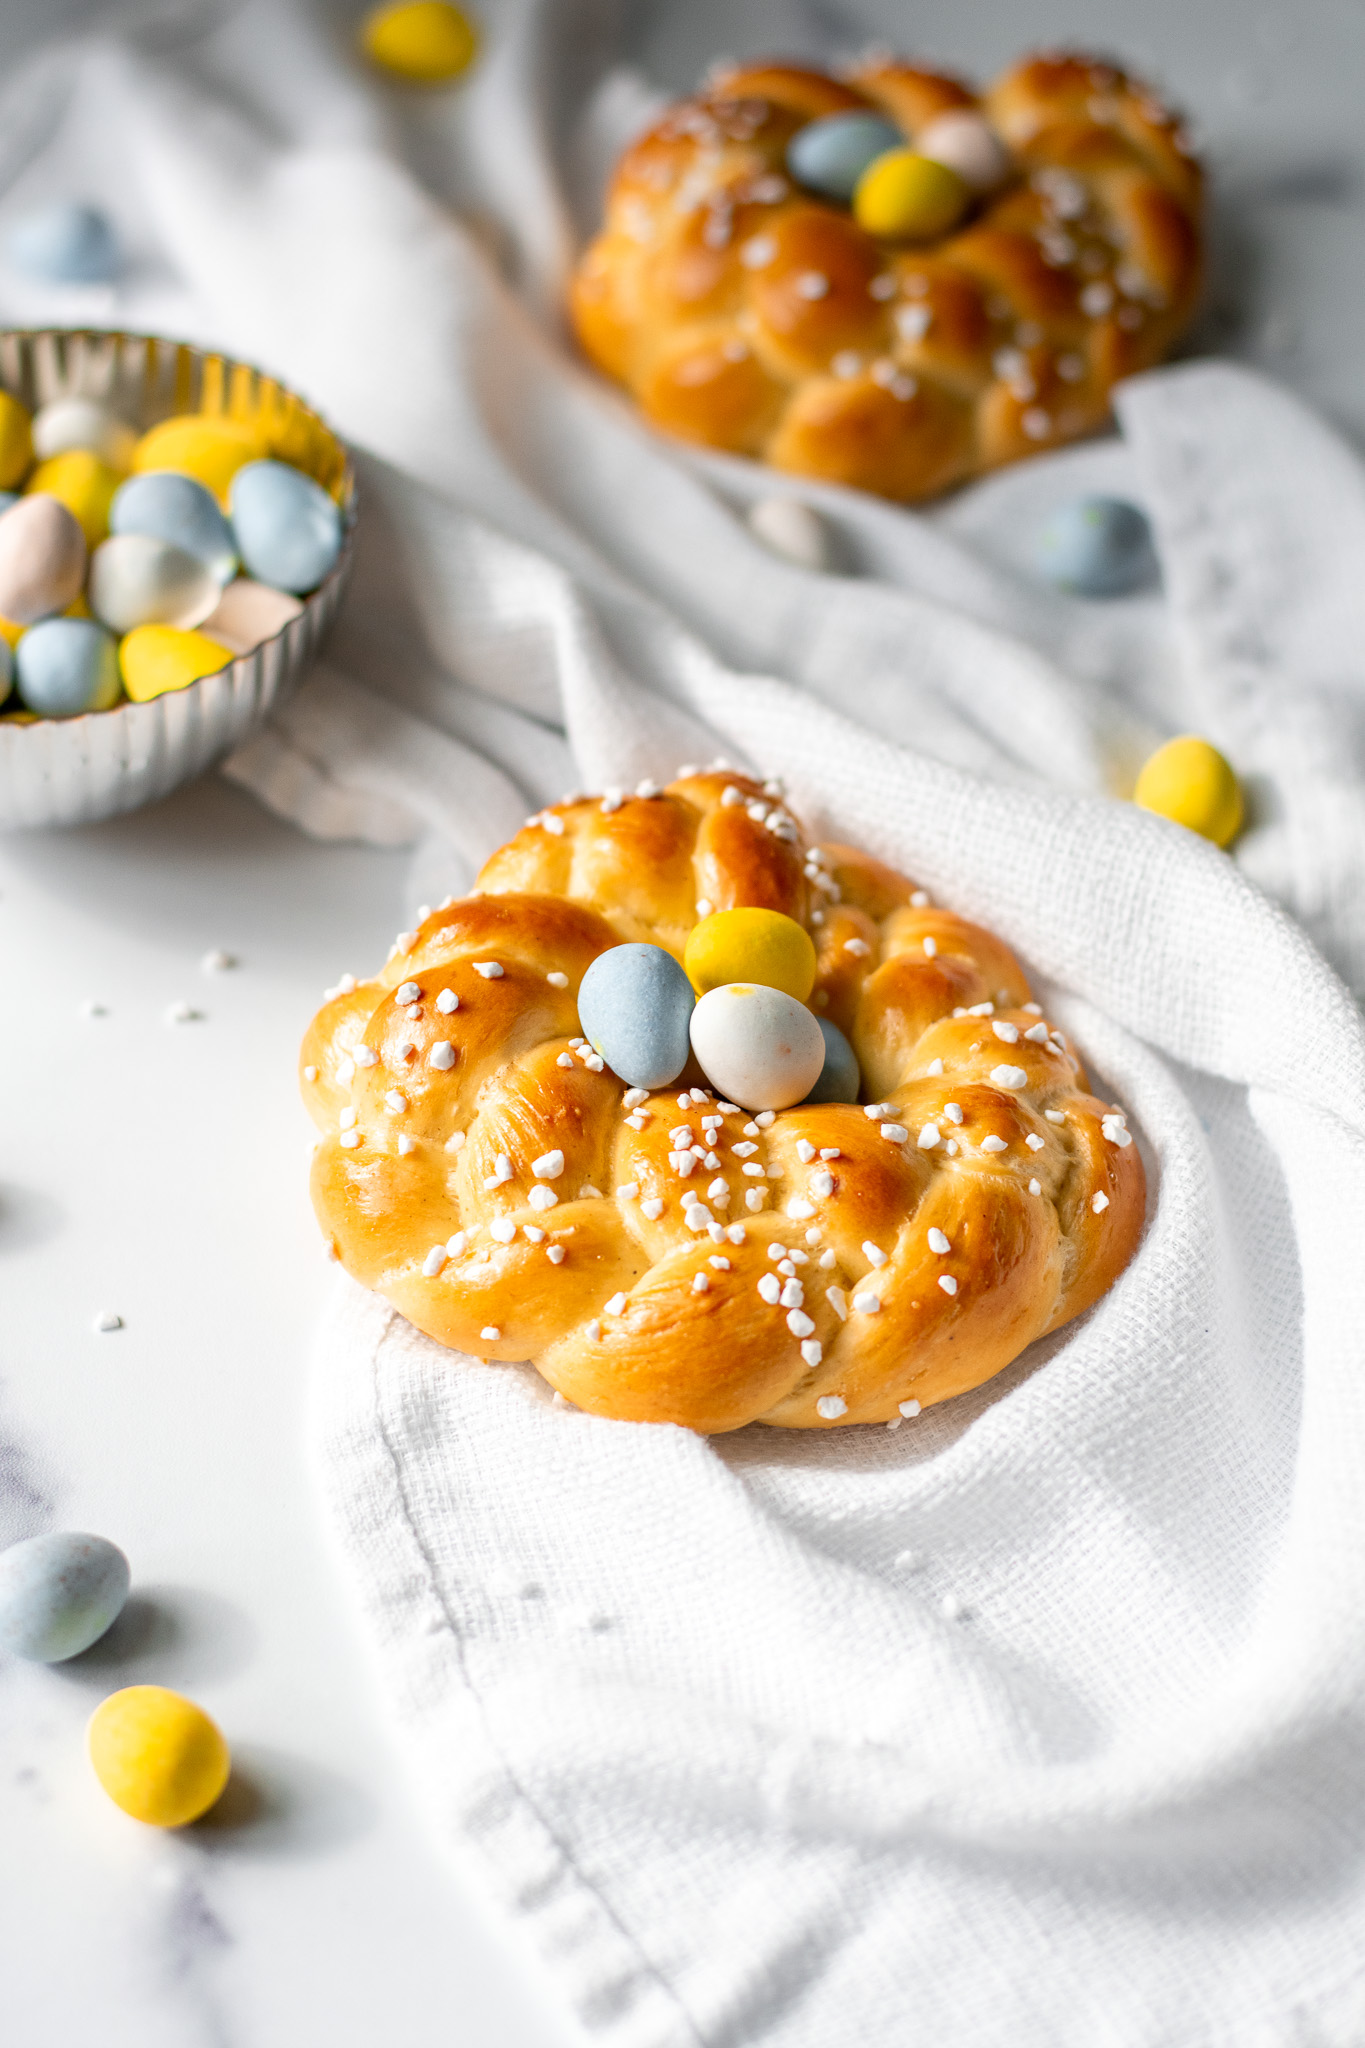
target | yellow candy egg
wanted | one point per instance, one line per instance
(203, 445)
(85, 485)
(428, 42)
(155, 659)
(902, 196)
(16, 442)
(157, 1755)
(1189, 780)
(760, 946)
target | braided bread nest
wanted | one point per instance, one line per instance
(743, 313)
(667, 1257)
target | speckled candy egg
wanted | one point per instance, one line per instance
(829, 156)
(138, 581)
(65, 243)
(839, 1076)
(757, 1046)
(42, 559)
(158, 1755)
(170, 507)
(1097, 547)
(59, 1593)
(66, 667)
(634, 1004)
(751, 945)
(248, 613)
(288, 530)
(81, 423)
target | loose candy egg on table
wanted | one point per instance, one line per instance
(169, 507)
(82, 483)
(203, 445)
(829, 156)
(59, 1593)
(42, 559)
(1190, 781)
(751, 945)
(757, 1046)
(158, 1755)
(840, 1076)
(791, 528)
(968, 145)
(156, 659)
(81, 423)
(248, 613)
(66, 243)
(138, 581)
(1096, 546)
(288, 529)
(428, 42)
(66, 667)
(904, 196)
(634, 1004)
(16, 442)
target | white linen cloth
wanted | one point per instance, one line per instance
(1039, 1720)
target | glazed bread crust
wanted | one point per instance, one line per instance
(748, 315)
(483, 1169)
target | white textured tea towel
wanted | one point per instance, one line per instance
(1040, 1719)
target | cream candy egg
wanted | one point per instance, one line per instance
(136, 580)
(81, 423)
(757, 1046)
(968, 145)
(248, 613)
(42, 559)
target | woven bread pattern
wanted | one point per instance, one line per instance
(745, 314)
(667, 1257)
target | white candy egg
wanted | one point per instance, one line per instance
(968, 145)
(757, 1046)
(136, 580)
(791, 528)
(80, 423)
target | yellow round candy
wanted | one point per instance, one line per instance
(157, 1755)
(761, 946)
(85, 485)
(905, 197)
(16, 442)
(155, 659)
(1189, 780)
(428, 42)
(206, 446)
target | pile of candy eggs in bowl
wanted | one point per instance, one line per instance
(174, 533)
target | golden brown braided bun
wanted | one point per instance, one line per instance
(985, 1144)
(746, 314)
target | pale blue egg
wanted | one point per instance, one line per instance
(166, 506)
(59, 1593)
(758, 1046)
(634, 1004)
(829, 156)
(1096, 547)
(288, 530)
(66, 243)
(839, 1077)
(67, 666)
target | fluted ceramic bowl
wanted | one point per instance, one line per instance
(71, 771)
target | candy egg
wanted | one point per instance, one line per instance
(66, 667)
(968, 145)
(138, 581)
(428, 43)
(634, 1004)
(839, 1077)
(59, 1593)
(248, 613)
(42, 559)
(1190, 781)
(156, 659)
(904, 196)
(65, 243)
(84, 484)
(178, 509)
(202, 445)
(1096, 547)
(81, 423)
(757, 1046)
(288, 530)
(790, 527)
(16, 441)
(158, 1755)
(830, 155)
(751, 945)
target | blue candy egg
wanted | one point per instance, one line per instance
(635, 1004)
(839, 1077)
(59, 1593)
(1096, 547)
(67, 666)
(66, 243)
(166, 506)
(829, 156)
(288, 530)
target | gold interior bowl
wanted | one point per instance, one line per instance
(71, 771)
